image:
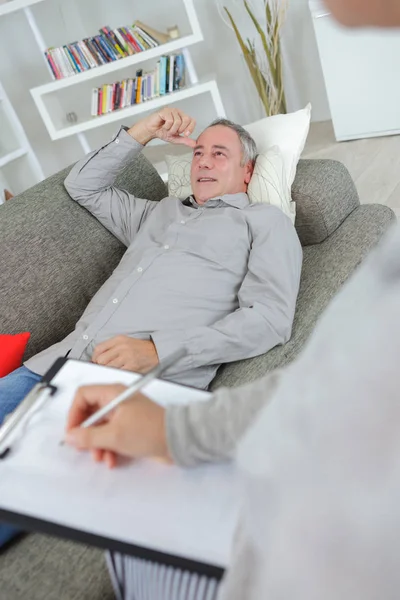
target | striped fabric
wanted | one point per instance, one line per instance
(137, 579)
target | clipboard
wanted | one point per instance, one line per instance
(183, 518)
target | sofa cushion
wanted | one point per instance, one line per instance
(55, 255)
(326, 267)
(325, 195)
(38, 567)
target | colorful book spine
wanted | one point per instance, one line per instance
(157, 80)
(130, 47)
(171, 73)
(82, 57)
(103, 49)
(168, 76)
(131, 39)
(139, 74)
(109, 47)
(81, 61)
(163, 75)
(137, 40)
(141, 40)
(54, 55)
(104, 98)
(110, 97)
(53, 66)
(148, 90)
(75, 66)
(134, 91)
(146, 38)
(95, 102)
(179, 72)
(63, 61)
(100, 103)
(119, 42)
(90, 50)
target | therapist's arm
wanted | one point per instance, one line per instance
(187, 435)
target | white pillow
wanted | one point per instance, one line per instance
(179, 175)
(288, 132)
(268, 183)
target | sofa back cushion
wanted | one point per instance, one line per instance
(325, 195)
(55, 255)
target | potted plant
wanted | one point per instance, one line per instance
(264, 59)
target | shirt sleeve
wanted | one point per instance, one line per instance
(267, 301)
(210, 431)
(90, 183)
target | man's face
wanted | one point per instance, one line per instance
(217, 165)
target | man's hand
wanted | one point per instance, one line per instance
(123, 352)
(168, 124)
(135, 429)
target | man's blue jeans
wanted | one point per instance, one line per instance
(13, 389)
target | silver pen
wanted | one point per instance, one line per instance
(170, 360)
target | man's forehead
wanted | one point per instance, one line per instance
(220, 136)
(219, 146)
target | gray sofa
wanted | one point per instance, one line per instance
(55, 255)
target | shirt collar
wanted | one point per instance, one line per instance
(240, 200)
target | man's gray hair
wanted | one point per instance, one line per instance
(249, 148)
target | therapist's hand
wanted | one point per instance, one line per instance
(135, 429)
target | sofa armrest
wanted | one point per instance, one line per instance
(325, 195)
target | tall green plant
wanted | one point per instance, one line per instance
(265, 69)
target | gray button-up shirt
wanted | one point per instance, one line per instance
(219, 279)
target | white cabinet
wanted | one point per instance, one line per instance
(361, 70)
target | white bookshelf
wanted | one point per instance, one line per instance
(9, 157)
(57, 133)
(19, 167)
(57, 98)
(52, 104)
(12, 5)
(117, 65)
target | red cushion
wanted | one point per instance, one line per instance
(12, 348)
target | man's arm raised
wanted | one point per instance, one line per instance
(91, 180)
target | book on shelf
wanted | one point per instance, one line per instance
(107, 46)
(168, 76)
(157, 36)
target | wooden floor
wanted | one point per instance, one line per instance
(374, 163)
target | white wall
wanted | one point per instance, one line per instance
(22, 67)
(303, 73)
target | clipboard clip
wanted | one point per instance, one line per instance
(40, 392)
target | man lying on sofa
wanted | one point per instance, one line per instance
(213, 273)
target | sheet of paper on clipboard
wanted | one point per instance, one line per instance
(183, 513)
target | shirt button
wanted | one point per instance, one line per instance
(183, 222)
(85, 337)
(139, 269)
(115, 301)
(117, 141)
(166, 247)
